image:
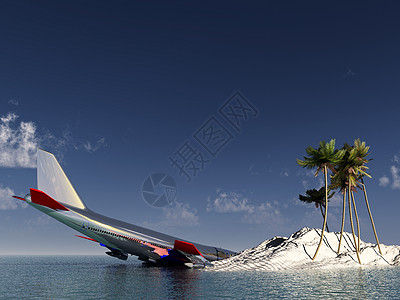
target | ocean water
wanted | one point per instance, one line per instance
(103, 277)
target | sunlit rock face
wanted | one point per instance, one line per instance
(296, 252)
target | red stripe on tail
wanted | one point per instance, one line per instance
(186, 247)
(41, 198)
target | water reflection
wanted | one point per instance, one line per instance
(135, 279)
(179, 283)
(98, 278)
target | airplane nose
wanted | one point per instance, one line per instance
(28, 198)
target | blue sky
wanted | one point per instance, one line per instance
(115, 89)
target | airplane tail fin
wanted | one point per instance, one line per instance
(53, 181)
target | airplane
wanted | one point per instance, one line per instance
(56, 197)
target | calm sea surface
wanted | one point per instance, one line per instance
(98, 277)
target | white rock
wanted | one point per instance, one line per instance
(296, 252)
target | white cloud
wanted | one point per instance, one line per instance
(284, 172)
(176, 215)
(18, 144)
(180, 214)
(308, 179)
(6, 200)
(232, 202)
(305, 173)
(66, 141)
(349, 73)
(13, 102)
(92, 148)
(40, 221)
(384, 181)
(229, 202)
(395, 176)
(263, 214)
(253, 170)
(304, 183)
(313, 183)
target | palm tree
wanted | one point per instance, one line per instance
(351, 193)
(343, 180)
(351, 222)
(361, 153)
(318, 198)
(326, 156)
(356, 169)
(348, 171)
(349, 176)
(346, 179)
(370, 215)
(339, 181)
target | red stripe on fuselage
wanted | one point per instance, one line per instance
(83, 237)
(41, 198)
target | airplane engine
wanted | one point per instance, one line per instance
(118, 254)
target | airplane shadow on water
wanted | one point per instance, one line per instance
(151, 281)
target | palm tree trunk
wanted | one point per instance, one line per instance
(358, 223)
(326, 212)
(323, 216)
(343, 215)
(351, 223)
(370, 215)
